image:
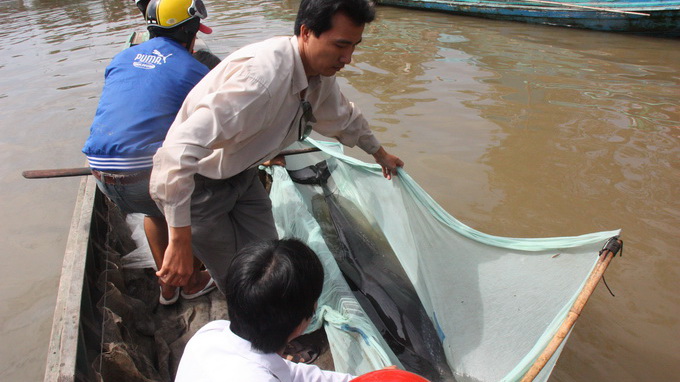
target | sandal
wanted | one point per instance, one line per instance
(206, 289)
(300, 353)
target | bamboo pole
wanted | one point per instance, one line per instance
(605, 258)
(586, 7)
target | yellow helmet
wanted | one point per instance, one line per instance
(171, 13)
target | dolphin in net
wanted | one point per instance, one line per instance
(377, 279)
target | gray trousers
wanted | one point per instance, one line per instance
(227, 214)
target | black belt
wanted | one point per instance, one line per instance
(121, 178)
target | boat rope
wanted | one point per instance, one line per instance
(612, 245)
(107, 245)
(607, 285)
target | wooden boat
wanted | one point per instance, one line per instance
(651, 17)
(109, 326)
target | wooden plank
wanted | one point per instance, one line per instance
(63, 346)
(56, 173)
(84, 171)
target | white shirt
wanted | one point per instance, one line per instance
(214, 353)
(244, 112)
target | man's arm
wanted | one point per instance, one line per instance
(341, 119)
(178, 261)
(300, 372)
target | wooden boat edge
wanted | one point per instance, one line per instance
(64, 338)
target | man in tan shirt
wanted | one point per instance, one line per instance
(258, 101)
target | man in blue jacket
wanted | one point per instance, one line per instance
(144, 88)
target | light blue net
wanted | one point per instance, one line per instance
(495, 302)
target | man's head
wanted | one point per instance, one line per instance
(177, 19)
(272, 288)
(328, 31)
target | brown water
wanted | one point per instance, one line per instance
(517, 130)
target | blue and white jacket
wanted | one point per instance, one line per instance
(144, 88)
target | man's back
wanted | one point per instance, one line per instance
(145, 86)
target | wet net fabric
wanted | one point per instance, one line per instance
(495, 301)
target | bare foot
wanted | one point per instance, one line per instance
(197, 282)
(167, 291)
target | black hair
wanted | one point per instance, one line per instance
(317, 14)
(141, 5)
(272, 286)
(183, 33)
(206, 58)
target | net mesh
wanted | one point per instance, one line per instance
(495, 301)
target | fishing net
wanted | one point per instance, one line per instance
(494, 302)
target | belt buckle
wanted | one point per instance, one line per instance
(112, 179)
(118, 178)
(107, 178)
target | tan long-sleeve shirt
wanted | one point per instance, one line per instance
(244, 112)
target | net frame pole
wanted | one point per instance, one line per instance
(575, 312)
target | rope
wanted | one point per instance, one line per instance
(603, 279)
(106, 283)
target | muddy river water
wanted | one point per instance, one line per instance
(516, 130)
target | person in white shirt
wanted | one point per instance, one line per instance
(272, 291)
(258, 101)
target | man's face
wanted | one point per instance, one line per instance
(332, 50)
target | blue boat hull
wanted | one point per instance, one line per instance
(663, 16)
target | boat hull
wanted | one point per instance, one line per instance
(663, 17)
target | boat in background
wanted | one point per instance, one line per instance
(649, 17)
